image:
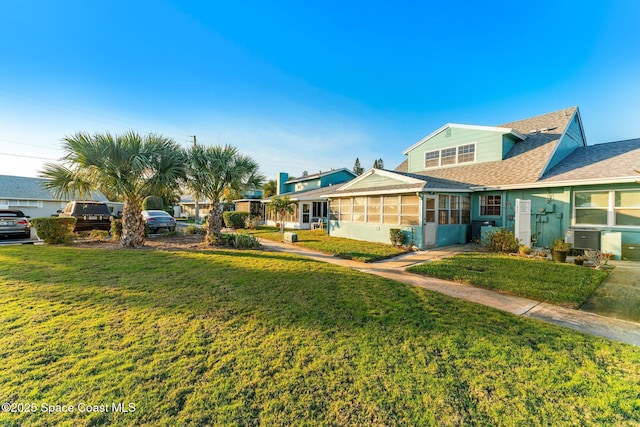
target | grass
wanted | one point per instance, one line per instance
(247, 338)
(567, 285)
(318, 240)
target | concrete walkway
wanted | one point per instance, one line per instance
(619, 294)
(394, 268)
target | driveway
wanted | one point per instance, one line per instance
(619, 294)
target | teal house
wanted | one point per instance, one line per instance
(536, 176)
(308, 191)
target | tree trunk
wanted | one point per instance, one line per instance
(214, 224)
(132, 225)
(282, 214)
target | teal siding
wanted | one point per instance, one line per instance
(373, 232)
(508, 141)
(452, 234)
(572, 139)
(335, 178)
(489, 146)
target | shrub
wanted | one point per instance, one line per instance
(116, 228)
(503, 241)
(252, 222)
(397, 237)
(55, 230)
(98, 235)
(245, 241)
(192, 229)
(227, 239)
(233, 219)
(152, 203)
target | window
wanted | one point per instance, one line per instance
(373, 210)
(592, 207)
(466, 153)
(319, 209)
(454, 209)
(432, 159)
(345, 210)
(390, 210)
(450, 156)
(358, 209)
(430, 209)
(491, 205)
(410, 210)
(627, 207)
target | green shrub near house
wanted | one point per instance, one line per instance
(233, 219)
(54, 230)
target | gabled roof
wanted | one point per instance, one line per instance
(524, 163)
(25, 188)
(617, 160)
(501, 129)
(318, 175)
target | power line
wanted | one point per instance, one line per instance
(26, 143)
(29, 157)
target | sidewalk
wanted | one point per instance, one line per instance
(614, 329)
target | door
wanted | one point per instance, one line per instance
(429, 225)
(306, 215)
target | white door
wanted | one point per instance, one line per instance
(306, 215)
(429, 226)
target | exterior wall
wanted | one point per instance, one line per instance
(34, 208)
(374, 180)
(551, 212)
(283, 177)
(489, 146)
(572, 139)
(312, 184)
(336, 178)
(372, 232)
(453, 234)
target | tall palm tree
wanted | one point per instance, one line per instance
(213, 169)
(128, 166)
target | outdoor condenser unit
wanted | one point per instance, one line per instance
(585, 238)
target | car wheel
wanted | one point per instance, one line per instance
(172, 229)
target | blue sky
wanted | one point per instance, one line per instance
(308, 85)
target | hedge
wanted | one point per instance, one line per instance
(54, 230)
(235, 219)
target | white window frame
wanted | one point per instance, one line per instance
(455, 157)
(611, 209)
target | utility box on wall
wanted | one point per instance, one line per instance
(631, 252)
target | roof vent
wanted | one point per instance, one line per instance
(544, 129)
(532, 131)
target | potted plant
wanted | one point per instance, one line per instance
(560, 250)
(524, 250)
(579, 260)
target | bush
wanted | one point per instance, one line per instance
(116, 228)
(192, 229)
(503, 241)
(397, 237)
(233, 219)
(152, 203)
(245, 241)
(252, 223)
(54, 230)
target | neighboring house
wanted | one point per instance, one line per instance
(461, 177)
(31, 197)
(310, 194)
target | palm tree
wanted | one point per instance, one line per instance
(281, 205)
(270, 189)
(127, 166)
(212, 170)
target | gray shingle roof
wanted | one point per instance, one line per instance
(611, 160)
(25, 188)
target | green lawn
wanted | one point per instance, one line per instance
(563, 284)
(247, 338)
(318, 240)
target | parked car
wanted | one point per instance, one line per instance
(158, 220)
(14, 223)
(89, 215)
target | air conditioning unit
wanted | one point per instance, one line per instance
(584, 238)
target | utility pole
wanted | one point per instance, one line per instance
(196, 206)
(194, 140)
